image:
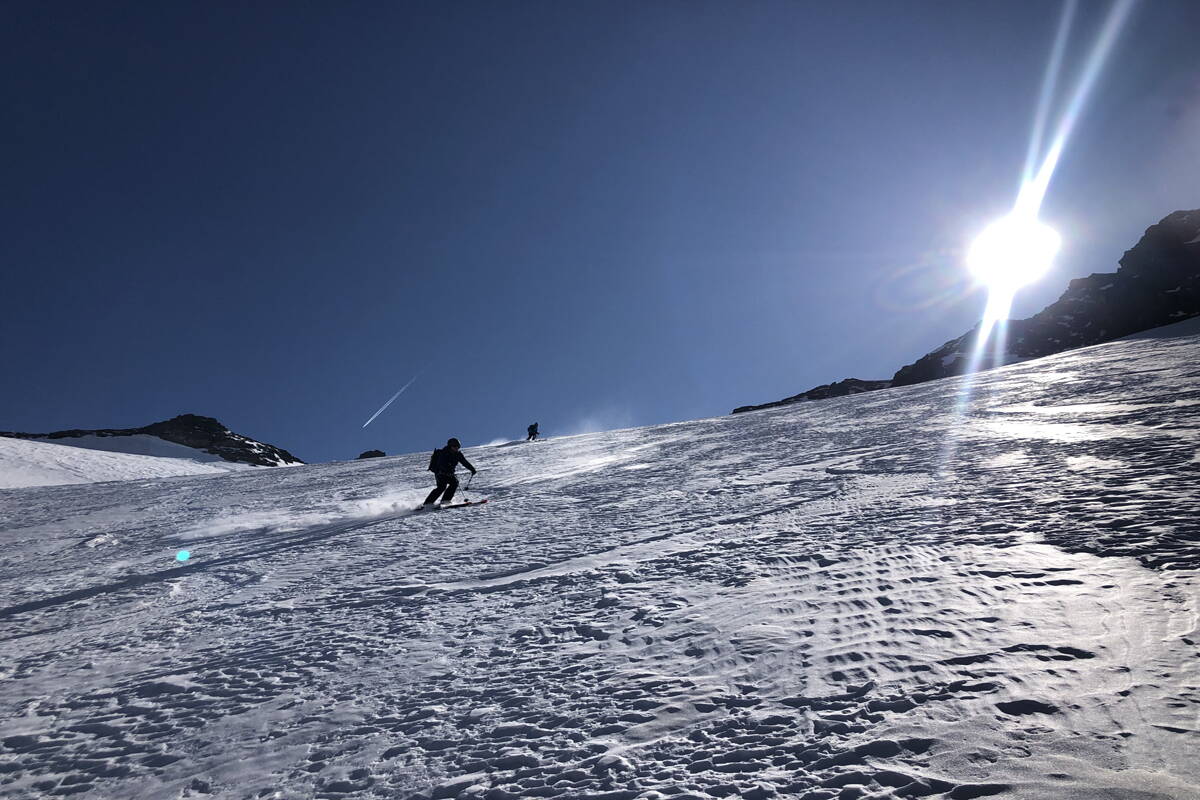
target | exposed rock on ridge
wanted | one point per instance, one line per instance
(1156, 283)
(190, 430)
(825, 391)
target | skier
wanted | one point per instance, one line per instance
(442, 464)
(533, 432)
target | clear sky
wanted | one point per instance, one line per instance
(591, 215)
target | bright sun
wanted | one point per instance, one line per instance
(1012, 252)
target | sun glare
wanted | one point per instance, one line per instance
(1018, 249)
(1012, 252)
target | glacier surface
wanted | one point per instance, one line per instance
(916, 592)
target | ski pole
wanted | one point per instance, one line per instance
(468, 486)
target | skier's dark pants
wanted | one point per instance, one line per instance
(445, 483)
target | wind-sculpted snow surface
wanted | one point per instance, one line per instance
(876, 596)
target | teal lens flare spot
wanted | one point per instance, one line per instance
(183, 555)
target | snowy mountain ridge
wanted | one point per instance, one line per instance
(186, 436)
(984, 586)
(92, 459)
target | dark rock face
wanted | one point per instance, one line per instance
(372, 454)
(1157, 283)
(190, 430)
(837, 389)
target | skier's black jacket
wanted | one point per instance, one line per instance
(445, 459)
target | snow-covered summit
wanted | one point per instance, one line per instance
(88, 459)
(920, 592)
(187, 437)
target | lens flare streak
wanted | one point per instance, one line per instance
(1049, 87)
(1019, 248)
(1030, 245)
(1033, 191)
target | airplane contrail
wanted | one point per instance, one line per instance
(390, 401)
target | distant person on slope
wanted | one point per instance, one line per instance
(533, 432)
(442, 464)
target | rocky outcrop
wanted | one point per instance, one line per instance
(190, 430)
(372, 454)
(1157, 283)
(840, 388)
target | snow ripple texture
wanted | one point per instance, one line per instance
(879, 596)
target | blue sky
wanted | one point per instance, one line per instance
(591, 215)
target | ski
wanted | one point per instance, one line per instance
(467, 503)
(452, 505)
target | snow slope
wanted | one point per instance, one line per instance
(90, 459)
(888, 595)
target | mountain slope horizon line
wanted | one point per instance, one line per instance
(1157, 282)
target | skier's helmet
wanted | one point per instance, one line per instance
(452, 442)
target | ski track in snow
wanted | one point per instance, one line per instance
(864, 597)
